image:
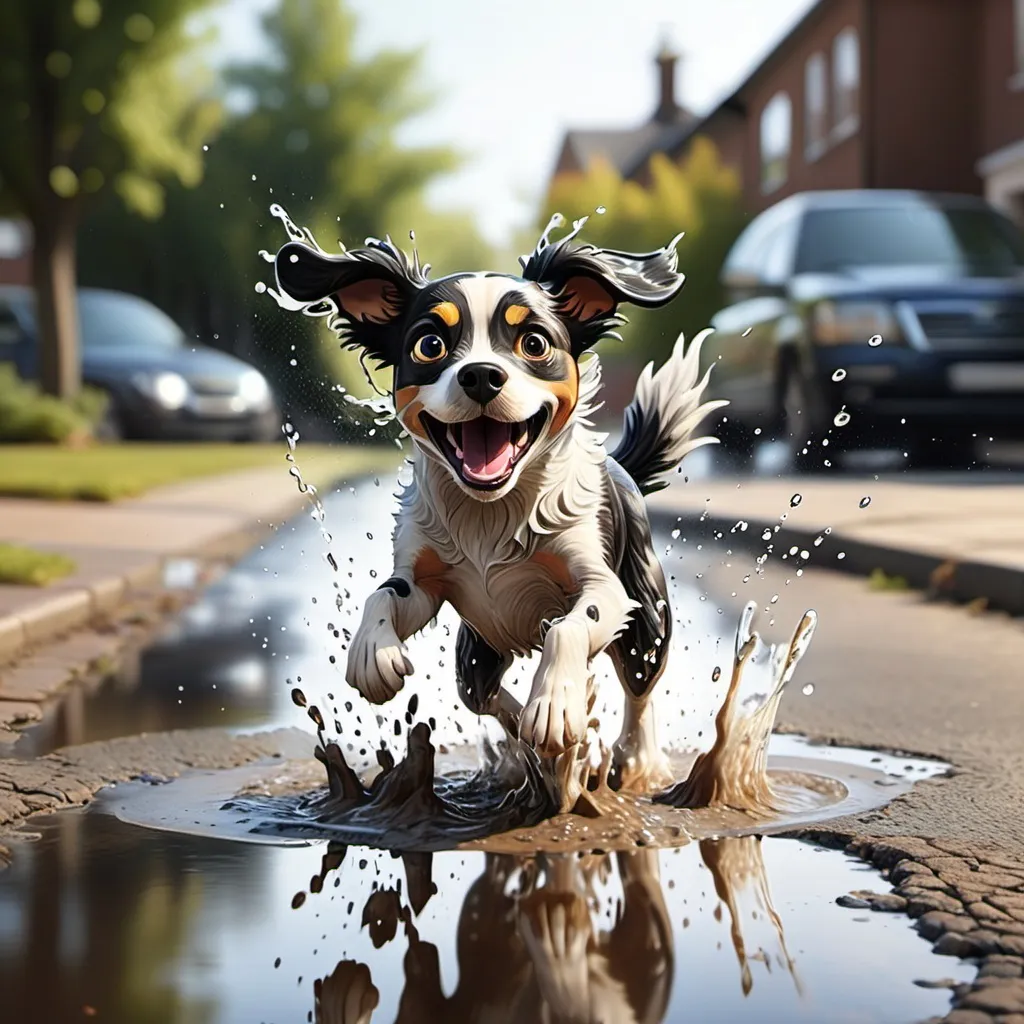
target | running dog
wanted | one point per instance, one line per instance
(516, 515)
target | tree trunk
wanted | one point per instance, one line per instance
(55, 278)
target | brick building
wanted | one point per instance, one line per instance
(920, 94)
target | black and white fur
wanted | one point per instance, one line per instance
(552, 550)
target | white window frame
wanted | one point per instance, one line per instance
(845, 45)
(816, 129)
(783, 104)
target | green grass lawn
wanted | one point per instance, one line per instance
(32, 568)
(109, 472)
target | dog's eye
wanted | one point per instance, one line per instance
(533, 346)
(429, 349)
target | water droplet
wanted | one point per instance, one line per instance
(808, 689)
(747, 331)
(675, 534)
(841, 418)
(254, 177)
(865, 501)
(206, 148)
(875, 340)
(757, 431)
(841, 555)
(601, 209)
(298, 698)
(839, 375)
(260, 287)
(767, 535)
(795, 500)
(716, 675)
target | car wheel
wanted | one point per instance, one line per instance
(813, 447)
(938, 453)
(111, 425)
(736, 441)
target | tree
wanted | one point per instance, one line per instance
(95, 96)
(699, 196)
(312, 127)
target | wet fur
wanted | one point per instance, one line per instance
(557, 556)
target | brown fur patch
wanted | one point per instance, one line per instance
(429, 574)
(557, 570)
(373, 300)
(516, 315)
(567, 392)
(584, 298)
(446, 311)
(408, 410)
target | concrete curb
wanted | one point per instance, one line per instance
(52, 615)
(1001, 587)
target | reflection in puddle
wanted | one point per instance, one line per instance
(157, 928)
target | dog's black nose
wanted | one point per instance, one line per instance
(482, 381)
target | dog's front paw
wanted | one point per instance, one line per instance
(555, 716)
(377, 663)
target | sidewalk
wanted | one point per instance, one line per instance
(965, 541)
(123, 547)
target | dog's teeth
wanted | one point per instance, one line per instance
(458, 452)
(453, 442)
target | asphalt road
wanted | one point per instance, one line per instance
(892, 671)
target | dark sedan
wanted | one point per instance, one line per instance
(161, 384)
(873, 319)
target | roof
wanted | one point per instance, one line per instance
(621, 147)
(733, 103)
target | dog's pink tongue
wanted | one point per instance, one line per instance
(486, 449)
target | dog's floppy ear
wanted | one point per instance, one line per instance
(590, 283)
(370, 287)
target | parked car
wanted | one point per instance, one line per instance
(161, 384)
(903, 311)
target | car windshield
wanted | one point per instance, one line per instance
(964, 239)
(112, 320)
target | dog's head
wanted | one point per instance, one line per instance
(486, 370)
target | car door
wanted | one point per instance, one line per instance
(743, 349)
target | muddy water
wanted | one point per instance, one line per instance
(135, 926)
(102, 917)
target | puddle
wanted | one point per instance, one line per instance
(284, 803)
(331, 907)
(141, 927)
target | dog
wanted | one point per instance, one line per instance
(517, 516)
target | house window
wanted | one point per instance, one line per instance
(845, 83)
(815, 107)
(776, 141)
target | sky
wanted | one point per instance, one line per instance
(511, 77)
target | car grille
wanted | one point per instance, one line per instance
(991, 326)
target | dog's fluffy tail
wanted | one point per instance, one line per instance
(658, 426)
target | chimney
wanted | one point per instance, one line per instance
(668, 109)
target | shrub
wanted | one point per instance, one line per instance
(28, 415)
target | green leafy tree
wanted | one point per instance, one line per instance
(699, 196)
(94, 94)
(312, 127)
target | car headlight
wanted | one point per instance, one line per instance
(253, 388)
(168, 389)
(851, 323)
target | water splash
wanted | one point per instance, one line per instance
(734, 772)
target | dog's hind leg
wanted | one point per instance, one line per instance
(479, 669)
(640, 652)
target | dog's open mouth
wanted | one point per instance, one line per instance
(484, 451)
